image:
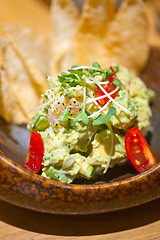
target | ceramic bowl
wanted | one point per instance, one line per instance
(124, 187)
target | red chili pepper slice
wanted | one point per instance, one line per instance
(113, 71)
(35, 153)
(138, 150)
(108, 88)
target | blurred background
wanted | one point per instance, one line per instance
(36, 14)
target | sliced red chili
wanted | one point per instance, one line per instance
(113, 71)
(108, 88)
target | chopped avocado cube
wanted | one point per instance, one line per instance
(39, 122)
(87, 170)
(57, 173)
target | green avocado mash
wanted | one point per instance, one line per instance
(84, 118)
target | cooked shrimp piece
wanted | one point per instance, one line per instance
(59, 104)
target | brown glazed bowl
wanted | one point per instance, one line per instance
(124, 189)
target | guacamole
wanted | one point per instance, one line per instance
(84, 118)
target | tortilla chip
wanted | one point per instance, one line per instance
(10, 109)
(64, 16)
(93, 24)
(33, 49)
(32, 45)
(19, 79)
(126, 41)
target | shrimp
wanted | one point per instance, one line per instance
(59, 104)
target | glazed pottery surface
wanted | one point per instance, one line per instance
(122, 189)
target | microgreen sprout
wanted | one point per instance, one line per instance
(82, 116)
(42, 105)
(65, 116)
(112, 147)
(117, 83)
(103, 119)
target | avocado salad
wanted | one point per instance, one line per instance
(84, 119)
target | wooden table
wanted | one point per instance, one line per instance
(139, 223)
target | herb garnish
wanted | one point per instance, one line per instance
(117, 83)
(103, 119)
(65, 116)
(82, 116)
(99, 71)
(71, 79)
(80, 75)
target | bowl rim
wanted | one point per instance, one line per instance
(138, 176)
(79, 198)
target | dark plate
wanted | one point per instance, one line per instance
(124, 188)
